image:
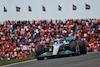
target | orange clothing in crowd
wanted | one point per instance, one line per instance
(14, 43)
(34, 40)
(38, 22)
(87, 27)
(4, 28)
(87, 43)
(92, 39)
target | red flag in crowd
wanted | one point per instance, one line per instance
(43, 8)
(5, 10)
(18, 9)
(87, 6)
(59, 7)
(74, 7)
(29, 8)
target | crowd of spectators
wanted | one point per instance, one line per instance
(18, 38)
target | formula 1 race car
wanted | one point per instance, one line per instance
(61, 47)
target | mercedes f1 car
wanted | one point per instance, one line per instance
(61, 47)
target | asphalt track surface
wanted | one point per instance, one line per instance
(88, 60)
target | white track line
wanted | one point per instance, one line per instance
(18, 63)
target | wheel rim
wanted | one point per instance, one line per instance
(77, 50)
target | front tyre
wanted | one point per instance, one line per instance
(39, 49)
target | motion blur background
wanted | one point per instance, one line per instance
(21, 31)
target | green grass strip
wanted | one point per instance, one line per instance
(5, 62)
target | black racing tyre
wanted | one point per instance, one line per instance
(40, 58)
(75, 47)
(39, 49)
(83, 48)
(72, 46)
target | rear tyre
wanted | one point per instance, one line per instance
(83, 48)
(75, 48)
